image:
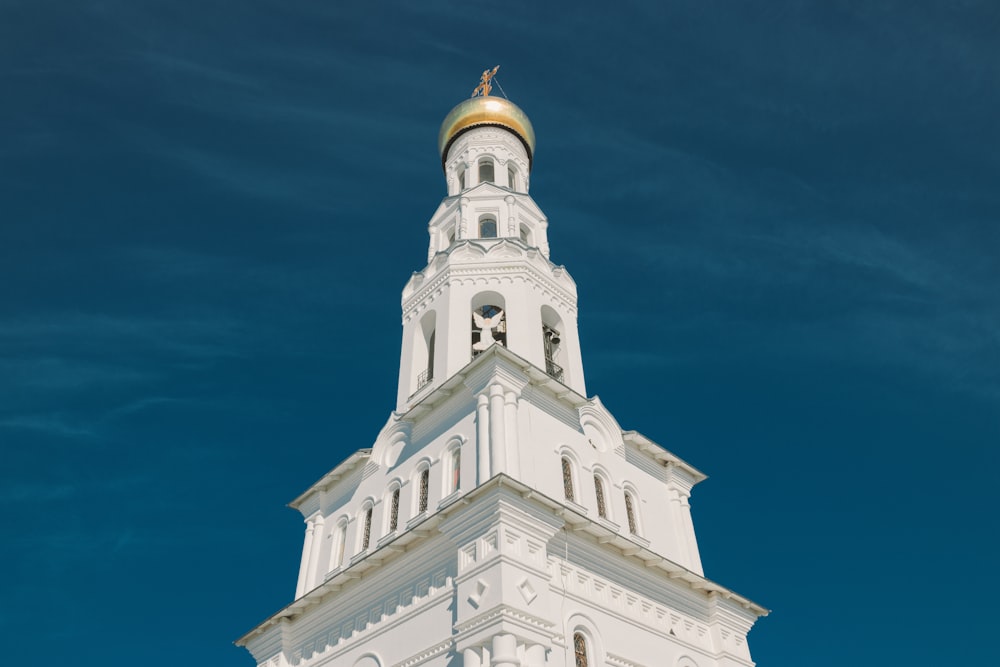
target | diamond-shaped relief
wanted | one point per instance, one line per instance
(527, 591)
(477, 595)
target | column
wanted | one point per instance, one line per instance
(692, 540)
(317, 546)
(463, 213)
(512, 228)
(483, 437)
(534, 656)
(677, 526)
(304, 565)
(497, 430)
(471, 658)
(510, 417)
(505, 651)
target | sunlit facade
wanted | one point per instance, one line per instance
(501, 518)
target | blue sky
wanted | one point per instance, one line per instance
(783, 220)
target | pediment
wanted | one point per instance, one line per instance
(391, 441)
(600, 427)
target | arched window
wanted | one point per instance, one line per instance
(461, 178)
(451, 237)
(602, 507)
(633, 522)
(511, 177)
(366, 532)
(424, 486)
(339, 537)
(486, 170)
(394, 510)
(580, 649)
(487, 227)
(567, 476)
(525, 235)
(456, 468)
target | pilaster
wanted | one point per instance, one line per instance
(503, 603)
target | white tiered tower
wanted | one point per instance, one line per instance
(501, 518)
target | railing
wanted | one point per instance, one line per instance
(553, 369)
(424, 378)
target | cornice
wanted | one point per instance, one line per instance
(507, 613)
(663, 455)
(339, 471)
(471, 194)
(575, 521)
(524, 263)
(427, 653)
(498, 356)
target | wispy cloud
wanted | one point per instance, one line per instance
(34, 493)
(172, 63)
(52, 367)
(856, 295)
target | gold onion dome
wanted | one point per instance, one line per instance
(485, 111)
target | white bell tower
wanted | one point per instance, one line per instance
(488, 278)
(501, 518)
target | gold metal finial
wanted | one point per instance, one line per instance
(484, 87)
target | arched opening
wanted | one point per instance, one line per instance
(455, 468)
(339, 539)
(580, 650)
(451, 237)
(423, 351)
(394, 509)
(423, 488)
(366, 527)
(429, 372)
(567, 479)
(489, 322)
(526, 237)
(602, 505)
(552, 345)
(631, 512)
(487, 227)
(511, 177)
(461, 178)
(486, 170)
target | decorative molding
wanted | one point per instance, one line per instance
(391, 609)
(562, 296)
(504, 612)
(628, 605)
(618, 661)
(427, 654)
(526, 590)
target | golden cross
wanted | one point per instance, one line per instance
(484, 87)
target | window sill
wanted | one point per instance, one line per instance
(416, 520)
(450, 498)
(609, 524)
(638, 539)
(572, 504)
